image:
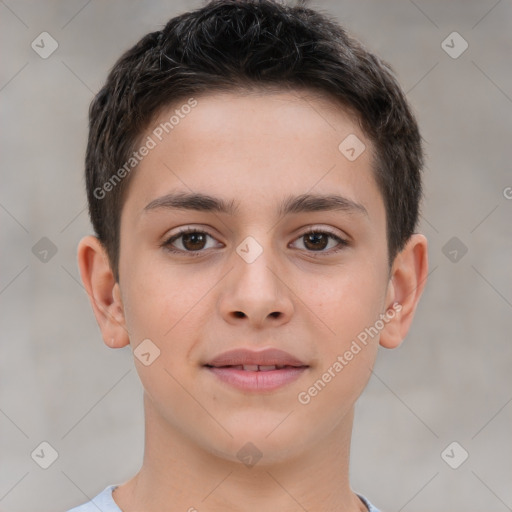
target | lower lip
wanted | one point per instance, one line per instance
(257, 381)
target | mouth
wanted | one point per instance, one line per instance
(257, 367)
(246, 370)
(249, 359)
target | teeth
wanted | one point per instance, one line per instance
(250, 367)
(256, 368)
(267, 368)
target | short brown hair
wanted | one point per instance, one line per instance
(241, 44)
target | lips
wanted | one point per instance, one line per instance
(264, 360)
(250, 371)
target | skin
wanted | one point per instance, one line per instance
(255, 149)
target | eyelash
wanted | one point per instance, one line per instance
(167, 244)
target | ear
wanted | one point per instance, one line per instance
(103, 290)
(406, 284)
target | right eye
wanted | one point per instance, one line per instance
(192, 240)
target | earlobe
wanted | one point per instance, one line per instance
(103, 291)
(408, 278)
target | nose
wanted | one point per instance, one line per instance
(256, 292)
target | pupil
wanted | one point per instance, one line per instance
(315, 238)
(189, 237)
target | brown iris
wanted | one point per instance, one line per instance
(316, 240)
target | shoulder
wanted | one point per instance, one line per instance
(370, 507)
(103, 501)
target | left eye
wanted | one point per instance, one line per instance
(317, 241)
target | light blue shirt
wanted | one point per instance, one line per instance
(104, 502)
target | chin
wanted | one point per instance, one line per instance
(259, 442)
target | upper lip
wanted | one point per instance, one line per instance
(266, 357)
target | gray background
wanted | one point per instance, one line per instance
(449, 381)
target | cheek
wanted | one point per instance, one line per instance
(346, 302)
(157, 299)
(349, 306)
(167, 306)
(159, 309)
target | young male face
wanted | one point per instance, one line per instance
(253, 281)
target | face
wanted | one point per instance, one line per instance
(307, 280)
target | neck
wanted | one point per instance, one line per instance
(177, 471)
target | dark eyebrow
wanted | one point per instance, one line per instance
(193, 201)
(320, 202)
(292, 204)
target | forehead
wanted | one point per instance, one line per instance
(267, 144)
(246, 119)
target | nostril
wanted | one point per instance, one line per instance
(240, 314)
